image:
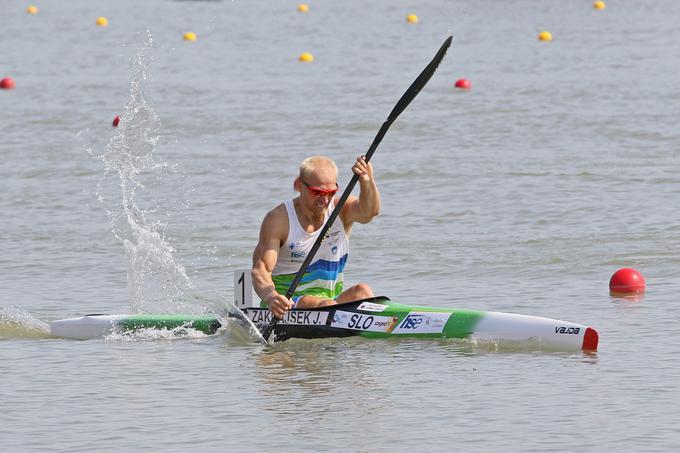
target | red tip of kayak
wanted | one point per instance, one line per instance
(590, 340)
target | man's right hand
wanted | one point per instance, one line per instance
(279, 305)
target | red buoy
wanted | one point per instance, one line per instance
(7, 83)
(627, 281)
(116, 120)
(463, 84)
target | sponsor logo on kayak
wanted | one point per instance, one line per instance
(370, 306)
(293, 317)
(298, 254)
(422, 322)
(567, 330)
(389, 325)
(411, 322)
(358, 321)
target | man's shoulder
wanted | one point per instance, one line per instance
(276, 220)
(277, 213)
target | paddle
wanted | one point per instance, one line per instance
(405, 100)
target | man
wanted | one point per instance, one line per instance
(289, 231)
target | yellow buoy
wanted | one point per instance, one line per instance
(190, 36)
(32, 10)
(545, 36)
(306, 57)
(303, 8)
(412, 19)
(599, 5)
(102, 22)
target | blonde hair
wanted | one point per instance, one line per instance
(310, 164)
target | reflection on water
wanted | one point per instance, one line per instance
(321, 378)
(622, 298)
(313, 364)
(305, 368)
(421, 385)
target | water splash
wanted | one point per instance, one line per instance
(150, 334)
(154, 276)
(235, 334)
(16, 323)
(157, 282)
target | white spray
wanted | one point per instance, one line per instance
(154, 276)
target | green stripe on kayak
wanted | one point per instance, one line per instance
(460, 324)
(203, 323)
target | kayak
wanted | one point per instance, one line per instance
(374, 318)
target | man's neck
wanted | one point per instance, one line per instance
(309, 220)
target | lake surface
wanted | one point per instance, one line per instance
(523, 195)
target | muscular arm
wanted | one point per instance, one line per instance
(364, 208)
(273, 233)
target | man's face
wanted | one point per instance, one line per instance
(318, 188)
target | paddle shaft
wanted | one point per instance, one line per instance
(403, 102)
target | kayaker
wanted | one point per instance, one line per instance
(289, 231)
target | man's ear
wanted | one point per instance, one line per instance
(296, 184)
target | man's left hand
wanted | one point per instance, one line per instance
(363, 169)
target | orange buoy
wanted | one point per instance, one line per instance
(116, 120)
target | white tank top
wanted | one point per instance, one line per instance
(324, 276)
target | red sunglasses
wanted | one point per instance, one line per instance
(319, 192)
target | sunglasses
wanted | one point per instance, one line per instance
(319, 192)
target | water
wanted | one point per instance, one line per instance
(522, 195)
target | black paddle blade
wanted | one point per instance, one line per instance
(420, 82)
